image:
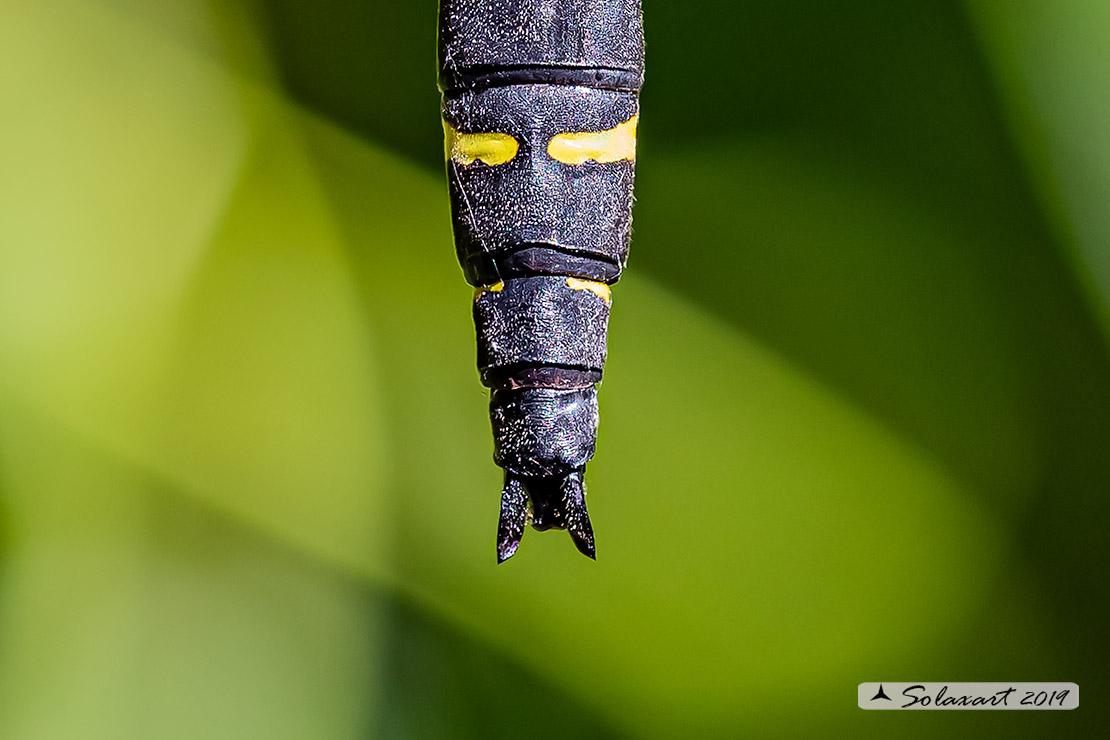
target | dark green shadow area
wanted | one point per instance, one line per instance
(898, 87)
(446, 685)
(368, 66)
(837, 180)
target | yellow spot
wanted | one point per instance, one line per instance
(493, 149)
(601, 146)
(495, 288)
(601, 290)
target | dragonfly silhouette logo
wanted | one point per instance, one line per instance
(881, 694)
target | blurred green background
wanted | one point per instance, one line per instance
(855, 426)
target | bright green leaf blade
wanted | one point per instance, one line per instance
(173, 292)
(130, 612)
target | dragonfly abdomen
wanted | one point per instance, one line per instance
(540, 108)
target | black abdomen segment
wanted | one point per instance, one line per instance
(533, 212)
(540, 107)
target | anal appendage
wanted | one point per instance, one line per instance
(547, 502)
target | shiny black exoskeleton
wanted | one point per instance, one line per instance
(540, 104)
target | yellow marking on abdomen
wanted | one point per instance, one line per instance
(612, 145)
(601, 290)
(495, 288)
(466, 149)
